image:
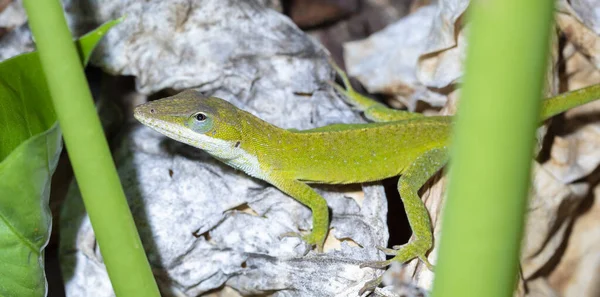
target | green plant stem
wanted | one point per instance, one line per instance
(492, 148)
(92, 162)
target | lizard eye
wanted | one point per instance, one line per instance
(199, 122)
(200, 117)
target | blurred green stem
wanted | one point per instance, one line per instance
(492, 148)
(90, 156)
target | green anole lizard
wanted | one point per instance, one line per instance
(397, 143)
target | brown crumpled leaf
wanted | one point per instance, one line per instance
(580, 23)
(559, 187)
(550, 213)
(576, 273)
(575, 156)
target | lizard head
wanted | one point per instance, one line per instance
(208, 123)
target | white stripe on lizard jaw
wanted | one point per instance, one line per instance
(226, 151)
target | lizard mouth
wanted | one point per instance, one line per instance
(167, 129)
(218, 148)
(164, 127)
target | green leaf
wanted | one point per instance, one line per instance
(87, 43)
(30, 145)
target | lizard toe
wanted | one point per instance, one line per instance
(370, 285)
(402, 254)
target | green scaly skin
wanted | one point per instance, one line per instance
(399, 143)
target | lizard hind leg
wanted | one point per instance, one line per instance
(412, 179)
(373, 110)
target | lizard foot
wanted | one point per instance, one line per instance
(370, 285)
(402, 254)
(312, 239)
(346, 89)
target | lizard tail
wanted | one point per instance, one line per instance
(565, 101)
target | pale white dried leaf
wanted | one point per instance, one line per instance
(586, 11)
(385, 62)
(580, 72)
(13, 15)
(206, 225)
(575, 155)
(440, 69)
(441, 63)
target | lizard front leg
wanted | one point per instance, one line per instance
(317, 204)
(412, 179)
